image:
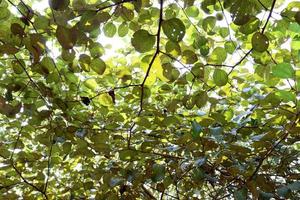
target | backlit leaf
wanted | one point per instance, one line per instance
(66, 37)
(220, 77)
(174, 29)
(98, 65)
(59, 4)
(283, 70)
(143, 41)
(260, 42)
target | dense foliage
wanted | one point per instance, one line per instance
(140, 99)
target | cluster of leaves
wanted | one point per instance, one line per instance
(199, 100)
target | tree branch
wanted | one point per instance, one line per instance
(268, 19)
(112, 5)
(161, 154)
(240, 61)
(25, 16)
(28, 183)
(31, 80)
(16, 143)
(149, 194)
(108, 6)
(154, 56)
(48, 166)
(262, 5)
(270, 151)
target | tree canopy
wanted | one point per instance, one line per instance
(149, 99)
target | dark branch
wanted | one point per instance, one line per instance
(112, 5)
(28, 183)
(48, 166)
(285, 134)
(268, 19)
(262, 5)
(149, 194)
(154, 56)
(240, 61)
(31, 80)
(16, 143)
(108, 6)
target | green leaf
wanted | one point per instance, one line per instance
(251, 26)
(286, 96)
(98, 65)
(109, 29)
(105, 100)
(196, 129)
(41, 22)
(17, 66)
(296, 43)
(59, 4)
(48, 63)
(220, 77)
(283, 70)
(198, 174)
(230, 47)
(142, 41)
(96, 50)
(200, 99)
(67, 147)
(173, 48)
(204, 50)
(4, 13)
(192, 11)
(224, 32)
(209, 23)
(84, 61)
(295, 186)
(241, 17)
(189, 57)
(68, 55)
(297, 17)
(66, 37)
(218, 55)
(91, 83)
(219, 16)
(259, 42)
(127, 155)
(286, 190)
(158, 172)
(240, 194)
(174, 29)
(199, 41)
(86, 88)
(123, 30)
(170, 72)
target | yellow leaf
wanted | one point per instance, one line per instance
(105, 100)
(90, 83)
(158, 70)
(155, 72)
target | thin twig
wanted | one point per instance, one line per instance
(268, 19)
(149, 194)
(285, 134)
(28, 183)
(48, 165)
(154, 56)
(262, 5)
(16, 143)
